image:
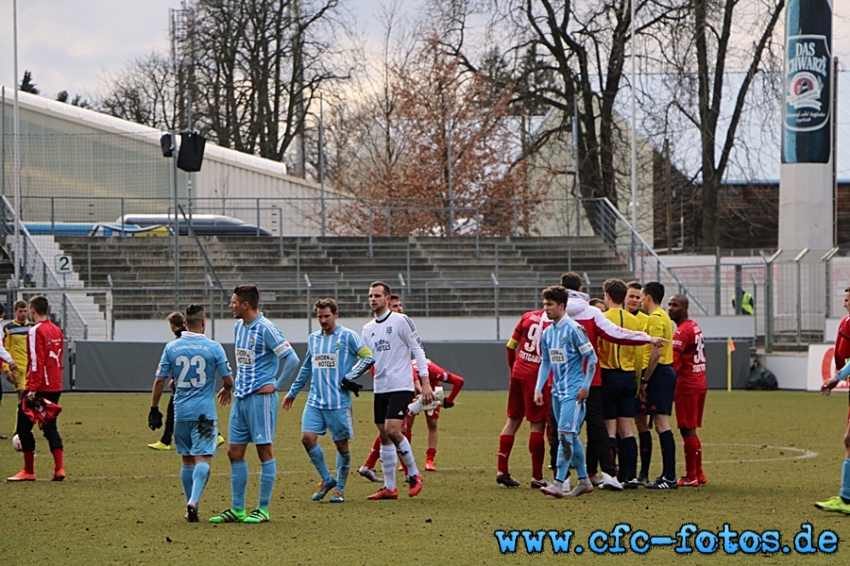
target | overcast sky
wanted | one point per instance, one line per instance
(69, 45)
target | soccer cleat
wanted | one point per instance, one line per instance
(192, 512)
(537, 484)
(662, 483)
(685, 481)
(506, 480)
(583, 486)
(595, 480)
(324, 489)
(610, 482)
(430, 466)
(230, 516)
(220, 441)
(23, 475)
(159, 446)
(415, 485)
(555, 490)
(337, 497)
(58, 475)
(383, 493)
(834, 503)
(632, 484)
(702, 479)
(369, 474)
(257, 516)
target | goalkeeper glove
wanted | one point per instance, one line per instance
(155, 418)
(448, 404)
(353, 386)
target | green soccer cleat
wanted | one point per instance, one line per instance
(257, 516)
(230, 516)
(159, 446)
(834, 503)
(220, 441)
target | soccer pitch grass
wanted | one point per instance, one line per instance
(768, 456)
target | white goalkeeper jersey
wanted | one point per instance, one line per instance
(393, 340)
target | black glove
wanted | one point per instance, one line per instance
(448, 404)
(155, 418)
(353, 386)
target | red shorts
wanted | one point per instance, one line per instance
(689, 409)
(521, 401)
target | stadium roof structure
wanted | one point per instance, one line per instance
(755, 157)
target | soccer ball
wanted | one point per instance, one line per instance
(16, 443)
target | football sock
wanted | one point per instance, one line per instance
(565, 455)
(29, 462)
(406, 453)
(506, 444)
(612, 450)
(199, 480)
(431, 453)
(578, 458)
(268, 472)
(388, 464)
(698, 457)
(622, 465)
(645, 452)
(628, 459)
(845, 482)
(317, 456)
(238, 484)
(343, 466)
(374, 454)
(58, 459)
(691, 448)
(537, 448)
(668, 454)
(186, 473)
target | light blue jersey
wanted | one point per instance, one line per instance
(330, 359)
(564, 349)
(192, 361)
(259, 348)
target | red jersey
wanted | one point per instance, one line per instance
(524, 345)
(437, 375)
(842, 343)
(689, 358)
(46, 348)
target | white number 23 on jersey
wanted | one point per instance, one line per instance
(196, 366)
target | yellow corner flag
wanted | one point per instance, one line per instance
(730, 347)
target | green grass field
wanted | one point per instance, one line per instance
(768, 456)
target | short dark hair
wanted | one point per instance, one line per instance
(394, 297)
(655, 290)
(634, 285)
(387, 291)
(18, 304)
(40, 305)
(176, 318)
(557, 293)
(616, 289)
(248, 294)
(571, 280)
(195, 315)
(683, 300)
(326, 303)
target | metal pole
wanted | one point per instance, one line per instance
(717, 282)
(322, 162)
(739, 291)
(496, 301)
(576, 176)
(449, 179)
(16, 126)
(175, 224)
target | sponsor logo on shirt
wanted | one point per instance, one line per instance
(382, 346)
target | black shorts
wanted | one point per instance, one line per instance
(618, 393)
(392, 405)
(660, 391)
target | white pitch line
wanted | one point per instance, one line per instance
(801, 454)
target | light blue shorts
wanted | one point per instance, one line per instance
(338, 421)
(570, 413)
(190, 442)
(253, 419)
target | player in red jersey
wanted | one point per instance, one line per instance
(691, 387)
(523, 351)
(437, 376)
(44, 381)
